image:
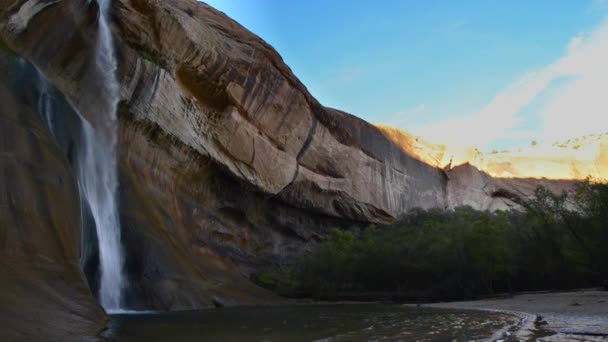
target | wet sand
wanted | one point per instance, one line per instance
(559, 316)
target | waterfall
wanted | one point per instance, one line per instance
(97, 168)
(98, 180)
(94, 142)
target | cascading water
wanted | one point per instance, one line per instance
(97, 169)
(98, 181)
(95, 159)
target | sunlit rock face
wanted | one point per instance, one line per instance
(504, 180)
(220, 90)
(228, 95)
(468, 186)
(574, 159)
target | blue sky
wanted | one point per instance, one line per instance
(485, 73)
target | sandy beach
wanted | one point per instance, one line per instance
(558, 316)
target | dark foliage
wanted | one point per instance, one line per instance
(556, 242)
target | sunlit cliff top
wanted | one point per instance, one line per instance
(571, 159)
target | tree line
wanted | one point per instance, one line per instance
(556, 241)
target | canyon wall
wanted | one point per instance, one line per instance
(573, 159)
(43, 293)
(226, 161)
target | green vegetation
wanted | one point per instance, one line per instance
(5, 47)
(460, 254)
(149, 55)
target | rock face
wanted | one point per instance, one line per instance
(467, 186)
(41, 284)
(252, 167)
(228, 95)
(573, 159)
(227, 163)
(220, 90)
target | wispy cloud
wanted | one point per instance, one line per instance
(343, 77)
(578, 108)
(597, 6)
(456, 25)
(404, 118)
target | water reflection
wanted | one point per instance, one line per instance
(310, 323)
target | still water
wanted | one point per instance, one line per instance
(356, 322)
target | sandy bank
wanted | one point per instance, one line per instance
(569, 316)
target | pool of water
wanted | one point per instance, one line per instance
(345, 322)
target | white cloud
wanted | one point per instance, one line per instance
(575, 43)
(404, 118)
(578, 108)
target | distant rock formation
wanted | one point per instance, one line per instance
(573, 159)
(467, 186)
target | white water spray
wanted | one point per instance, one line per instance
(99, 183)
(97, 167)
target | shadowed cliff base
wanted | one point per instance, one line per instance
(43, 292)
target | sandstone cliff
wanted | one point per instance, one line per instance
(226, 162)
(42, 288)
(573, 159)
